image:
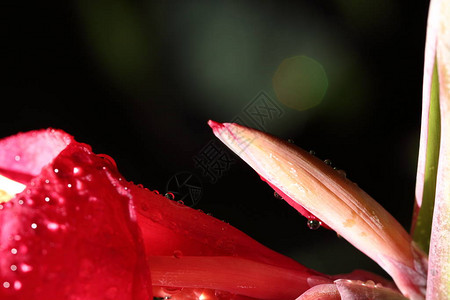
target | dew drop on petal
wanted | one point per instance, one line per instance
(56, 170)
(13, 268)
(52, 226)
(370, 283)
(291, 141)
(17, 285)
(26, 268)
(171, 290)
(328, 162)
(144, 206)
(47, 199)
(20, 202)
(33, 225)
(69, 185)
(17, 158)
(313, 224)
(169, 196)
(312, 152)
(6, 284)
(177, 254)
(277, 196)
(13, 251)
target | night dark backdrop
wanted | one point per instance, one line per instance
(138, 80)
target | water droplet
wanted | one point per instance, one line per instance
(33, 225)
(156, 216)
(313, 224)
(13, 268)
(6, 284)
(26, 268)
(378, 285)
(20, 202)
(1, 206)
(328, 162)
(76, 170)
(47, 181)
(209, 214)
(52, 226)
(312, 152)
(69, 185)
(144, 206)
(47, 199)
(291, 141)
(17, 285)
(140, 186)
(17, 158)
(171, 290)
(56, 170)
(370, 283)
(277, 196)
(177, 254)
(181, 202)
(108, 159)
(14, 251)
(169, 196)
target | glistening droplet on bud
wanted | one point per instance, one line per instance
(313, 224)
(277, 196)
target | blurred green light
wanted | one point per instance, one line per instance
(300, 82)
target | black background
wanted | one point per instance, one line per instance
(153, 126)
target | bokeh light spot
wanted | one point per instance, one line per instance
(300, 82)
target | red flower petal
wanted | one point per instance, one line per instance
(72, 233)
(234, 275)
(168, 226)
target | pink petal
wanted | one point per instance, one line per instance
(321, 292)
(359, 290)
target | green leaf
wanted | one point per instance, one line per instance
(422, 231)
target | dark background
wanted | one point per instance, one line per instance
(138, 80)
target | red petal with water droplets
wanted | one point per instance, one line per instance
(72, 233)
(169, 226)
(234, 275)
